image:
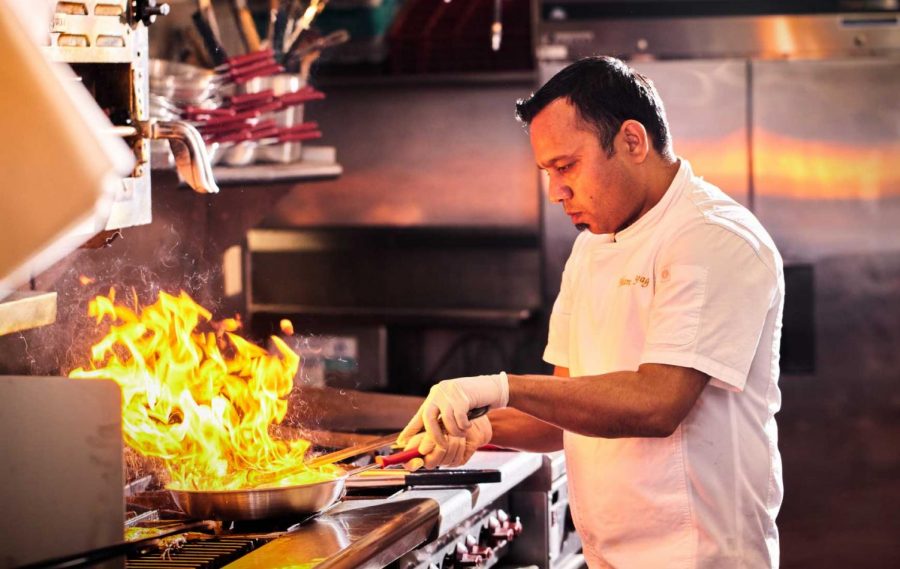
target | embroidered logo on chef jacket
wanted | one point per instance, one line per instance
(637, 280)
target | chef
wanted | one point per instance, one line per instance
(664, 337)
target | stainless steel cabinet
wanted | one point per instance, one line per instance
(826, 150)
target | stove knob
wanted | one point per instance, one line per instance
(469, 560)
(475, 548)
(517, 526)
(493, 522)
(484, 537)
(501, 535)
(466, 559)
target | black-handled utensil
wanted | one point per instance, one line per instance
(213, 47)
(281, 18)
(440, 477)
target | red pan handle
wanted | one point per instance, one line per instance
(298, 136)
(247, 98)
(240, 60)
(249, 74)
(407, 455)
(398, 458)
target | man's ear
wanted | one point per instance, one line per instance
(635, 140)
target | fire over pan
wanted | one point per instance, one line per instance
(264, 503)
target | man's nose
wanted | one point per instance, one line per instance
(559, 191)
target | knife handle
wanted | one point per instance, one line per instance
(213, 47)
(249, 28)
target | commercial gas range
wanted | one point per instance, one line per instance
(512, 521)
(62, 488)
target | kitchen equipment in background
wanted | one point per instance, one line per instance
(62, 167)
(367, 23)
(294, 93)
(432, 36)
(300, 55)
(549, 539)
(348, 358)
(178, 85)
(203, 24)
(189, 151)
(249, 33)
(62, 472)
(244, 112)
(394, 274)
(106, 45)
(107, 49)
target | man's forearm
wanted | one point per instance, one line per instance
(650, 402)
(516, 430)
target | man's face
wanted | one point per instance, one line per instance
(598, 192)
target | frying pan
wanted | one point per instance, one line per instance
(263, 503)
(260, 503)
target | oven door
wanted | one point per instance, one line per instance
(62, 473)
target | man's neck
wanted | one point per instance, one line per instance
(662, 173)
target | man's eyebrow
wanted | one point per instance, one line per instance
(552, 162)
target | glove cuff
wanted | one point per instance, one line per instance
(503, 385)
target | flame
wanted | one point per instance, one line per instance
(86, 280)
(198, 396)
(287, 326)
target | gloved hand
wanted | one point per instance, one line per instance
(449, 401)
(458, 450)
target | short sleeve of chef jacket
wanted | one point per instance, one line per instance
(714, 290)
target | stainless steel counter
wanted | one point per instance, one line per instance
(361, 533)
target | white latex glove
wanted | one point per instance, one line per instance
(458, 450)
(449, 401)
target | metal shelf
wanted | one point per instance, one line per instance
(264, 173)
(316, 163)
(25, 310)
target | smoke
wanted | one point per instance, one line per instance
(145, 261)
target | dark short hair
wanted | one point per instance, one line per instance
(606, 92)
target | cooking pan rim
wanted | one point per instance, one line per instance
(343, 477)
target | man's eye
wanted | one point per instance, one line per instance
(564, 168)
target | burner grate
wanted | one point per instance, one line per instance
(206, 554)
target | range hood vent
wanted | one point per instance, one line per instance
(615, 9)
(716, 29)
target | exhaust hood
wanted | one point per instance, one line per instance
(594, 9)
(708, 29)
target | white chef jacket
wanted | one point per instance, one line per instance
(695, 282)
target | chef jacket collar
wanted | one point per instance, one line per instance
(649, 219)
